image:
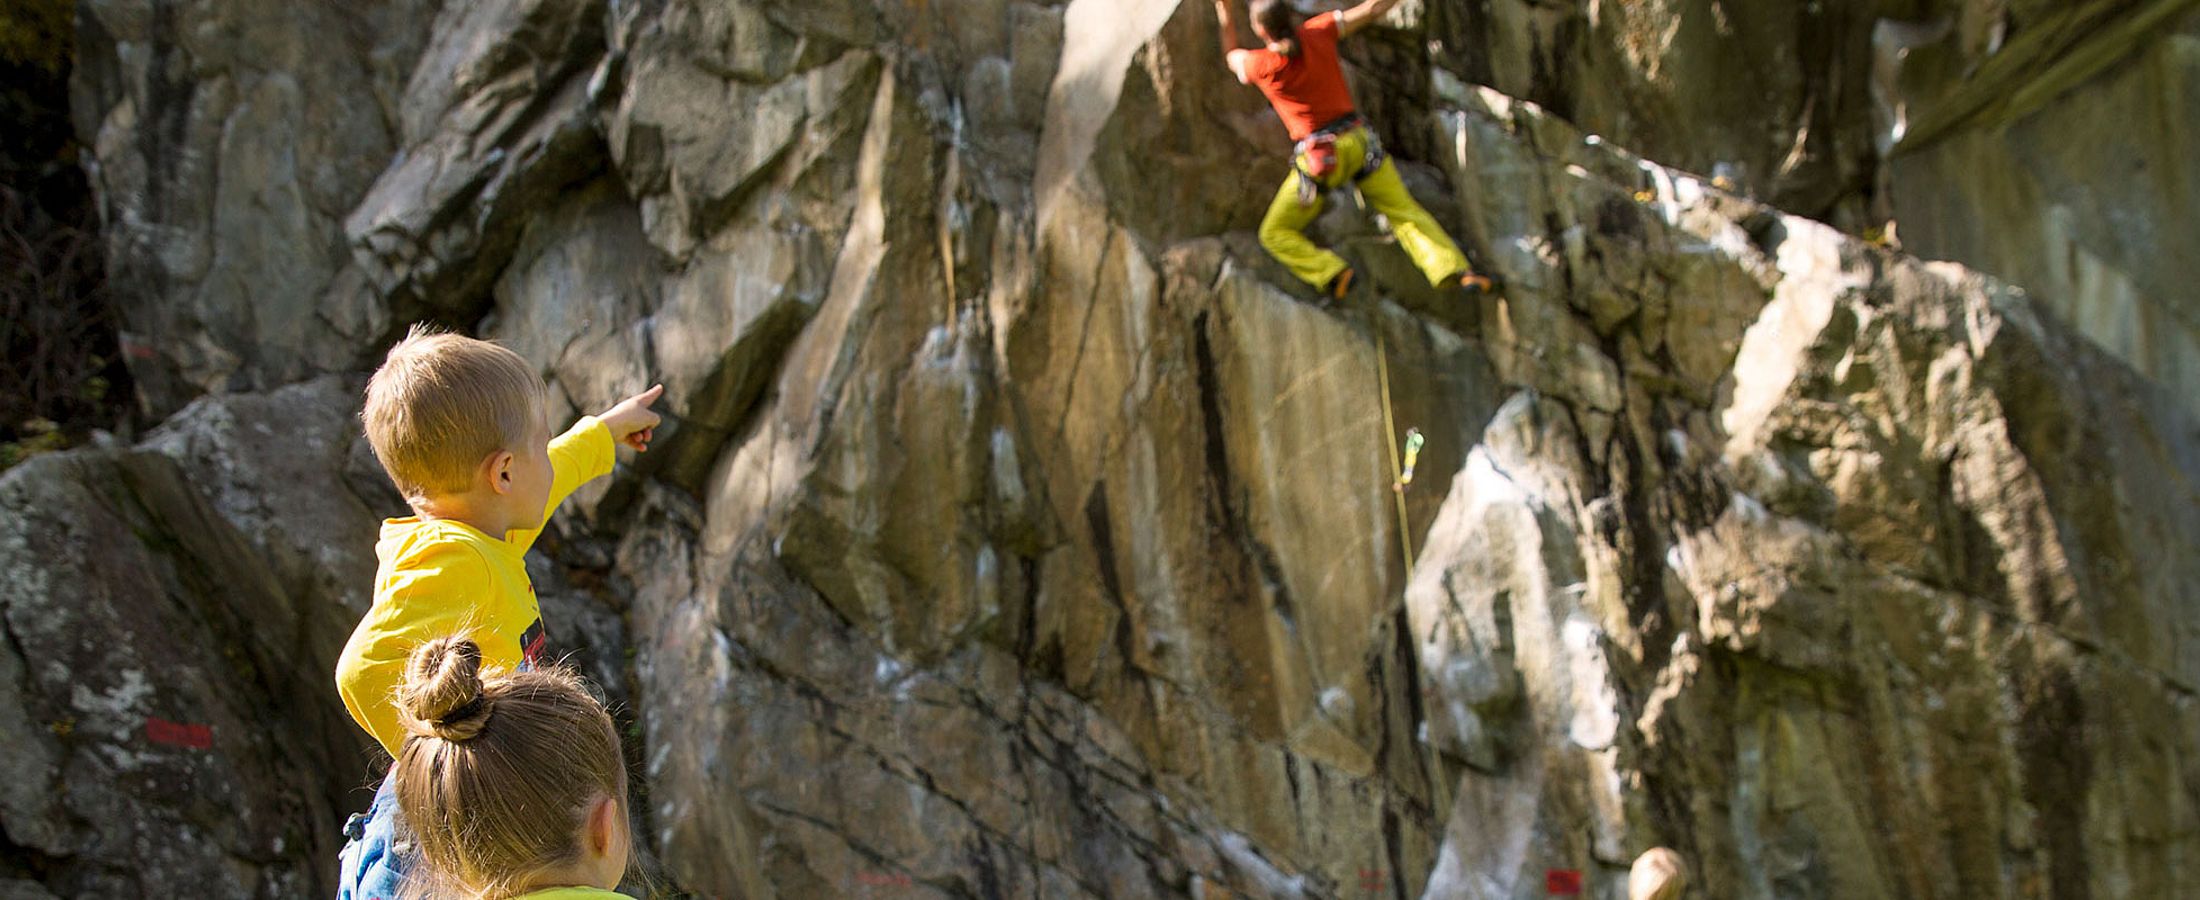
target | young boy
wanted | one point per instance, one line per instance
(461, 426)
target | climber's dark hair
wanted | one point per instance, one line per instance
(1277, 20)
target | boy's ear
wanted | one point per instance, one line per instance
(498, 469)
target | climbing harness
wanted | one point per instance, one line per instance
(1314, 157)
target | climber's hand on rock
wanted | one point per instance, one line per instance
(631, 421)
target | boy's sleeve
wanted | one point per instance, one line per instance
(428, 600)
(582, 454)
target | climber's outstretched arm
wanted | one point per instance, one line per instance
(1350, 21)
(1233, 55)
(1228, 21)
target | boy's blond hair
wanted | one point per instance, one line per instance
(441, 403)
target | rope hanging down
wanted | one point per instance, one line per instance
(1399, 477)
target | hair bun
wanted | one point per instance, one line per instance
(442, 694)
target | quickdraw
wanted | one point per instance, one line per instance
(1413, 454)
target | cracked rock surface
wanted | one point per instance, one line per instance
(1019, 530)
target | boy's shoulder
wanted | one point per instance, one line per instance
(412, 542)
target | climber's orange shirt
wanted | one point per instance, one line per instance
(1307, 89)
(439, 578)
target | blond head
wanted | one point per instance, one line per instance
(498, 769)
(441, 403)
(1657, 875)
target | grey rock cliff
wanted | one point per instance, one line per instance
(2045, 142)
(1019, 530)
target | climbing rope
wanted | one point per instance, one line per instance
(1399, 477)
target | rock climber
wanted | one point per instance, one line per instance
(1299, 72)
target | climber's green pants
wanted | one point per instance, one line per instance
(1283, 231)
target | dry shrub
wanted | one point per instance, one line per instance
(59, 375)
(59, 323)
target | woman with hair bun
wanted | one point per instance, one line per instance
(487, 765)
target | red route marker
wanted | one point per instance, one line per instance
(1562, 882)
(179, 734)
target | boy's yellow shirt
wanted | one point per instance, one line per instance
(439, 578)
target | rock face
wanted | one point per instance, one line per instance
(161, 696)
(1844, 606)
(2066, 164)
(173, 613)
(230, 140)
(1018, 531)
(2045, 142)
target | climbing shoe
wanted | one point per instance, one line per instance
(1477, 286)
(1339, 287)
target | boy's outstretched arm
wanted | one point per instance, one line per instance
(585, 451)
(631, 421)
(1352, 20)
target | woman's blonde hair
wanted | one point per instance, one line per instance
(497, 775)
